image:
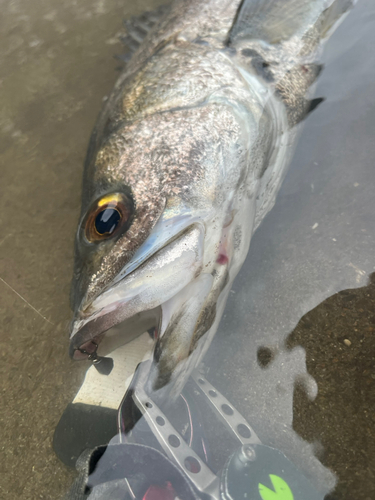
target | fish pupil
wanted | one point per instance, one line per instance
(106, 221)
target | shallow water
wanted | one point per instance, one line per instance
(56, 65)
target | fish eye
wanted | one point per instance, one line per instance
(108, 216)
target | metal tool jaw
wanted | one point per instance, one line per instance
(254, 471)
(173, 444)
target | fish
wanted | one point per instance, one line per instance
(184, 163)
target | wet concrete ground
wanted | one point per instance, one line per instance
(56, 65)
(339, 340)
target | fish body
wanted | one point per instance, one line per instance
(184, 163)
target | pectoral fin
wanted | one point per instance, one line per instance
(172, 362)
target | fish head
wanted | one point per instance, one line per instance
(152, 194)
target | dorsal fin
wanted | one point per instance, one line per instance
(274, 21)
(138, 27)
(279, 40)
(271, 20)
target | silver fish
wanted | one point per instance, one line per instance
(185, 161)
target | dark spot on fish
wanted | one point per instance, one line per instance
(262, 67)
(250, 53)
(167, 337)
(230, 50)
(205, 321)
(201, 41)
(314, 103)
(163, 365)
(263, 71)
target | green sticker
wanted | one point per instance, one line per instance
(281, 490)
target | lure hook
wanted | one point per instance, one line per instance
(103, 364)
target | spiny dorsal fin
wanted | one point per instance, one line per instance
(138, 27)
(299, 108)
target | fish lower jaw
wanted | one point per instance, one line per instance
(109, 329)
(157, 281)
(112, 326)
(111, 333)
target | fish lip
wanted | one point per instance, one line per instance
(83, 351)
(92, 331)
(95, 329)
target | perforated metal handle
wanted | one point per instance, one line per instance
(228, 413)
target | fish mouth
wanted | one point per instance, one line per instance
(134, 303)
